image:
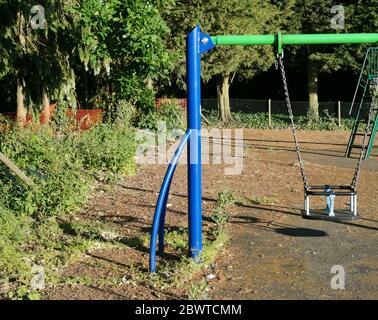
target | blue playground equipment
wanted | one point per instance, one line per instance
(198, 43)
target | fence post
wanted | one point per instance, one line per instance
(339, 112)
(270, 112)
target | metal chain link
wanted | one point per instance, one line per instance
(372, 112)
(279, 63)
(293, 128)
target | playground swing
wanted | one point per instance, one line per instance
(329, 191)
(198, 43)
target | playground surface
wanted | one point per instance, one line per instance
(272, 254)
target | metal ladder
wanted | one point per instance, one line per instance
(367, 87)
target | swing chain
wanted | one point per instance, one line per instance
(364, 144)
(279, 62)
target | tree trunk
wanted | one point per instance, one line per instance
(85, 86)
(312, 73)
(223, 95)
(21, 109)
(45, 114)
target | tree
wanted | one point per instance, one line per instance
(117, 44)
(122, 43)
(228, 17)
(317, 16)
(31, 51)
(14, 47)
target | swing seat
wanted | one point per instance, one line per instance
(330, 192)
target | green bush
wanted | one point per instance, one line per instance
(62, 168)
(34, 224)
(15, 229)
(60, 183)
(108, 148)
(121, 113)
(170, 115)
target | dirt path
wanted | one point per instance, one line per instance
(273, 253)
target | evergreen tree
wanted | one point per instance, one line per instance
(31, 52)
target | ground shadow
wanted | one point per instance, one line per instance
(271, 208)
(301, 232)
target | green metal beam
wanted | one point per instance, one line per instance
(296, 39)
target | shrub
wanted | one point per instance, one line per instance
(171, 115)
(121, 113)
(34, 224)
(108, 148)
(14, 233)
(60, 183)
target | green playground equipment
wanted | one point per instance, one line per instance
(367, 112)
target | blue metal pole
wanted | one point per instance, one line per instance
(197, 44)
(194, 145)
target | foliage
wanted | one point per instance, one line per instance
(106, 48)
(34, 221)
(227, 17)
(57, 173)
(124, 39)
(225, 63)
(61, 120)
(38, 58)
(171, 116)
(315, 16)
(220, 216)
(198, 290)
(108, 148)
(177, 239)
(121, 113)
(15, 229)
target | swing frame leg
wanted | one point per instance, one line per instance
(307, 205)
(353, 204)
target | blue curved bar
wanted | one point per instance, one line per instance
(159, 217)
(162, 221)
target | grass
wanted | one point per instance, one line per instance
(52, 245)
(198, 290)
(183, 271)
(184, 274)
(265, 201)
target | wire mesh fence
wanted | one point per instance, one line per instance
(278, 107)
(336, 112)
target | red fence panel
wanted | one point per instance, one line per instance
(169, 101)
(85, 118)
